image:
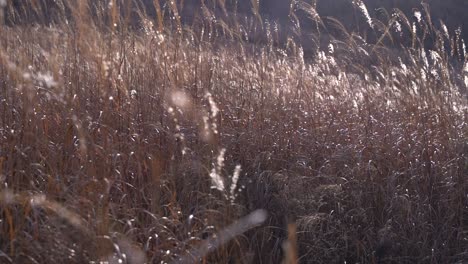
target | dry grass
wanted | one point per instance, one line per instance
(128, 138)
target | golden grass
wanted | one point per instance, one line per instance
(129, 138)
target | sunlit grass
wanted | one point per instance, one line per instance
(137, 139)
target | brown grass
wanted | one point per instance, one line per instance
(121, 135)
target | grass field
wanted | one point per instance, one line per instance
(127, 138)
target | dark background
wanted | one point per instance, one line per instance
(454, 13)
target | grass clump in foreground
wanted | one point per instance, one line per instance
(127, 138)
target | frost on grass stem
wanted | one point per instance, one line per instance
(331, 49)
(397, 27)
(235, 179)
(465, 72)
(133, 94)
(445, 30)
(213, 107)
(214, 112)
(465, 51)
(417, 15)
(360, 4)
(215, 175)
